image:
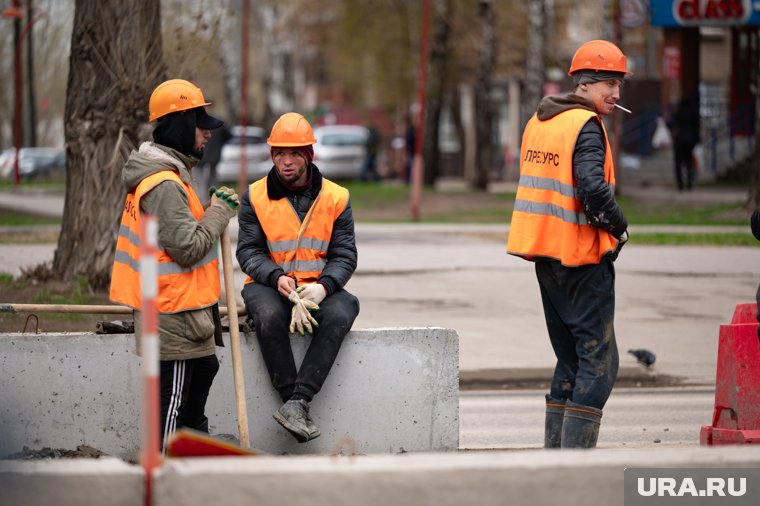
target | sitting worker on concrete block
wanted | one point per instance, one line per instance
(297, 246)
(157, 178)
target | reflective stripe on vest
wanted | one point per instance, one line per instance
(548, 219)
(299, 248)
(180, 288)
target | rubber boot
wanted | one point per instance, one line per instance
(580, 427)
(555, 414)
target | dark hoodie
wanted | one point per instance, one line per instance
(597, 197)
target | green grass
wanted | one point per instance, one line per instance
(15, 219)
(671, 213)
(79, 294)
(695, 239)
(372, 195)
(49, 184)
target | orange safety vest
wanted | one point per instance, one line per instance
(300, 248)
(548, 218)
(179, 288)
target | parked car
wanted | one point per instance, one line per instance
(33, 163)
(340, 150)
(258, 161)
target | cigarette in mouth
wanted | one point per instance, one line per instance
(623, 108)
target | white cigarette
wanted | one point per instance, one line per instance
(623, 108)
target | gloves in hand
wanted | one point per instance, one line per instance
(224, 197)
(300, 318)
(315, 292)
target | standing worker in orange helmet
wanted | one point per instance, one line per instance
(297, 246)
(158, 182)
(566, 220)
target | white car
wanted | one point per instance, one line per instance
(33, 163)
(340, 150)
(258, 162)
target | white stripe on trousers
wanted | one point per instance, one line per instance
(178, 381)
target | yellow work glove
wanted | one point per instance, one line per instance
(300, 318)
(224, 198)
(315, 293)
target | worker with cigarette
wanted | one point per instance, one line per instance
(157, 180)
(297, 246)
(567, 222)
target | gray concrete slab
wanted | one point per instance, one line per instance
(530, 477)
(71, 482)
(390, 390)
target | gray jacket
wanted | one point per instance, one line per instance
(189, 334)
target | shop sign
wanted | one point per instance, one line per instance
(675, 13)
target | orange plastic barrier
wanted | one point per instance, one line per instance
(736, 417)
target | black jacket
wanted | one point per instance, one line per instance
(596, 196)
(253, 253)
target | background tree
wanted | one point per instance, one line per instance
(436, 86)
(116, 61)
(534, 60)
(484, 111)
(753, 199)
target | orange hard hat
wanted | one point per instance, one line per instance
(599, 55)
(175, 95)
(291, 130)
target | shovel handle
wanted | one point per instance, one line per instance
(237, 360)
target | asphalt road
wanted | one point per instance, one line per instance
(670, 299)
(633, 418)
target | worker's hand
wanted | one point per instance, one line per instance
(225, 198)
(285, 285)
(300, 318)
(621, 242)
(314, 292)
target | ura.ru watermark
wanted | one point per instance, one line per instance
(714, 486)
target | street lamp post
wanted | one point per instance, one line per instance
(14, 12)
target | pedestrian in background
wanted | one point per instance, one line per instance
(212, 153)
(157, 178)
(297, 246)
(566, 220)
(372, 146)
(685, 127)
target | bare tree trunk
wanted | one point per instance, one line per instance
(229, 49)
(116, 62)
(439, 49)
(484, 112)
(534, 60)
(753, 199)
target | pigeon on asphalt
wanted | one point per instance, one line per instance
(644, 357)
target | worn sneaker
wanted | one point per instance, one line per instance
(294, 416)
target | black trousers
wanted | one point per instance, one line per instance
(684, 166)
(271, 318)
(579, 307)
(184, 390)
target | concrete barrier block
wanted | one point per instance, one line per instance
(390, 390)
(593, 478)
(71, 482)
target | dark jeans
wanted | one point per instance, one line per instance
(184, 389)
(271, 317)
(579, 307)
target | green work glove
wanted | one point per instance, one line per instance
(224, 196)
